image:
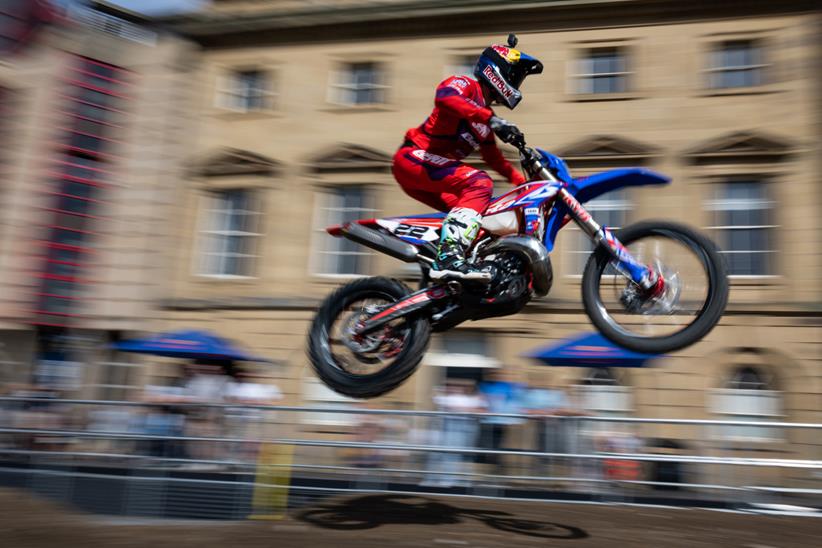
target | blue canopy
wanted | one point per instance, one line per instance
(195, 345)
(590, 350)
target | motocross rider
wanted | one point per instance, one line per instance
(428, 166)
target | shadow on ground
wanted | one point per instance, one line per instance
(374, 511)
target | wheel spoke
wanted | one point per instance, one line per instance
(369, 353)
(684, 295)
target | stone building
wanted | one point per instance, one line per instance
(301, 106)
(94, 118)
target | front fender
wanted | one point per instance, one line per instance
(588, 188)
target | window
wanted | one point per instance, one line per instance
(118, 380)
(359, 84)
(747, 395)
(319, 396)
(603, 394)
(94, 112)
(246, 91)
(95, 98)
(736, 64)
(338, 206)
(462, 348)
(743, 227)
(610, 210)
(461, 65)
(602, 71)
(232, 231)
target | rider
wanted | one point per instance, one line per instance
(428, 166)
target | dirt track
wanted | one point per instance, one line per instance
(381, 521)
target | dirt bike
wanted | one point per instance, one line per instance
(652, 287)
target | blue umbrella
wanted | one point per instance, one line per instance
(590, 350)
(195, 345)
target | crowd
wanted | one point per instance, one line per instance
(174, 410)
(520, 416)
(513, 416)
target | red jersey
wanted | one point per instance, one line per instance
(459, 125)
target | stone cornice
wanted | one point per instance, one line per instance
(541, 306)
(381, 20)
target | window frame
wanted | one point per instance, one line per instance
(717, 47)
(719, 398)
(616, 391)
(104, 389)
(574, 234)
(207, 217)
(582, 52)
(340, 84)
(228, 91)
(714, 206)
(439, 354)
(321, 221)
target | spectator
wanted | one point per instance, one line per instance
(38, 412)
(503, 396)
(457, 431)
(547, 404)
(203, 381)
(616, 467)
(369, 429)
(207, 383)
(249, 422)
(165, 421)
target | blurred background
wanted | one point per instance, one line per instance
(168, 166)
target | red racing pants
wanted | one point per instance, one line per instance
(441, 182)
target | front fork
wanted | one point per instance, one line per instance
(625, 264)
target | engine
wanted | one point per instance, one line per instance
(510, 281)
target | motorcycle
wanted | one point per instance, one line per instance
(651, 287)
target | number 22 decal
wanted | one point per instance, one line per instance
(411, 230)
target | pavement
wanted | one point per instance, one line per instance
(399, 521)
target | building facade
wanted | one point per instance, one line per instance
(232, 156)
(301, 108)
(94, 116)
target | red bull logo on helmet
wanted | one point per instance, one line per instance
(509, 54)
(498, 82)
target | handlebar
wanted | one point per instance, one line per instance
(530, 160)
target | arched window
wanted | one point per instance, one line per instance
(602, 393)
(748, 394)
(747, 378)
(600, 376)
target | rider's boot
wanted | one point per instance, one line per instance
(459, 229)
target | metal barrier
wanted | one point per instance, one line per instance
(232, 461)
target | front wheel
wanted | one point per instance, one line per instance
(692, 299)
(365, 366)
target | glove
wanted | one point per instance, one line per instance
(517, 178)
(506, 131)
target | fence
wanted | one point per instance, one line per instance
(232, 461)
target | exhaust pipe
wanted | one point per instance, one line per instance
(385, 243)
(531, 251)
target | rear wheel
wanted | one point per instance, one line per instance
(365, 366)
(690, 303)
